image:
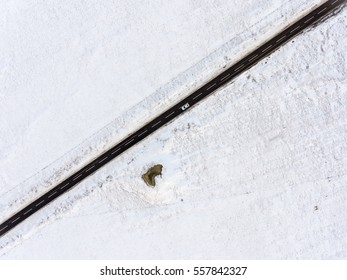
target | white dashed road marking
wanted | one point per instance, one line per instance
(115, 151)
(156, 124)
(169, 115)
(28, 211)
(280, 39)
(15, 220)
(198, 95)
(52, 194)
(90, 168)
(321, 11)
(127, 143)
(103, 159)
(64, 186)
(76, 177)
(334, 2)
(308, 19)
(211, 86)
(254, 57)
(266, 48)
(295, 29)
(42, 201)
(241, 66)
(4, 227)
(226, 76)
(143, 132)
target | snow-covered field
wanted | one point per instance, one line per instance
(256, 171)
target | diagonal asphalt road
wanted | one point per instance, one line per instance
(222, 79)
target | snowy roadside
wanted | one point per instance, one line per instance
(256, 171)
(14, 197)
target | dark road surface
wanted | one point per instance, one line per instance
(222, 79)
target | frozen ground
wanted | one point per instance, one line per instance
(256, 171)
(68, 69)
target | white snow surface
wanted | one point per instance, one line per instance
(256, 171)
